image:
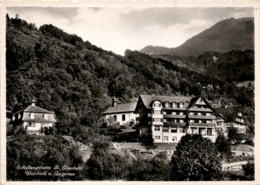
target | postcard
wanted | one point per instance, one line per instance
(129, 92)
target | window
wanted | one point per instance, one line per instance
(31, 124)
(204, 114)
(166, 104)
(157, 137)
(174, 138)
(165, 138)
(181, 121)
(45, 116)
(180, 105)
(165, 129)
(209, 131)
(123, 117)
(181, 130)
(181, 113)
(115, 118)
(157, 128)
(173, 113)
(32, 115)
(194, 130)
(173, 105)
(204, 121)
(174, 130)
(191, 113)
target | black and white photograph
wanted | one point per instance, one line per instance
(130, 93)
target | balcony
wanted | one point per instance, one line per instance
(202, 124)
(174, 116)
(174, 124)
(201, 117)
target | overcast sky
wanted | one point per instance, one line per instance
(118, 29)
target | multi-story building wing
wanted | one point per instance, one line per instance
(168, 118)
(202, 118)
(163, 116)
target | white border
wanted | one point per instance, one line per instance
(126, 3)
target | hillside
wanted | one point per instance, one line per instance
(76, 79)
(226, 35)
(234, 66)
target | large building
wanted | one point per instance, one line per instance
(33, 119)
(168, 118)
(121, 114)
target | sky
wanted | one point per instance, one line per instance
(119, 28)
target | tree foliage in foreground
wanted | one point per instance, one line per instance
(223, 145)
(35, 151)
(195, 159)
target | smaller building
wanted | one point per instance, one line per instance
(33, 119)
(237, 122)
(121, 114)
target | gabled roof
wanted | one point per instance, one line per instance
(149, 99)
(194, 100)
(34, 109)
(119, 108)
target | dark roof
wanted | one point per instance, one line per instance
(35, 109)
(149, 99)
(127, 107)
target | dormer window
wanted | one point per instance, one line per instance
(180, 105)
(173, 105)
(166, 104)
(157, 104)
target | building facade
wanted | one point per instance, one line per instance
(120, 114)
(33, 119)
(238, 122)
(168, 118)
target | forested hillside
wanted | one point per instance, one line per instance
(76, 79)
(233, 66)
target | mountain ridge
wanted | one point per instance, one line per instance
(214, 39)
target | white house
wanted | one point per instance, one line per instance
(33, 119)
(122, 114)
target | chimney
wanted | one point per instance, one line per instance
(114, 101)
(33, 102)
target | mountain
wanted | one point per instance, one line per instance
(76, 79)
(226, 35)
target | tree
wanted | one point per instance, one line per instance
(223, 146)
(249, 170)
(233, 135)
(195, 158)
(104, 165)
(149, 169)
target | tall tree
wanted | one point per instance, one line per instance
(195, 159)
